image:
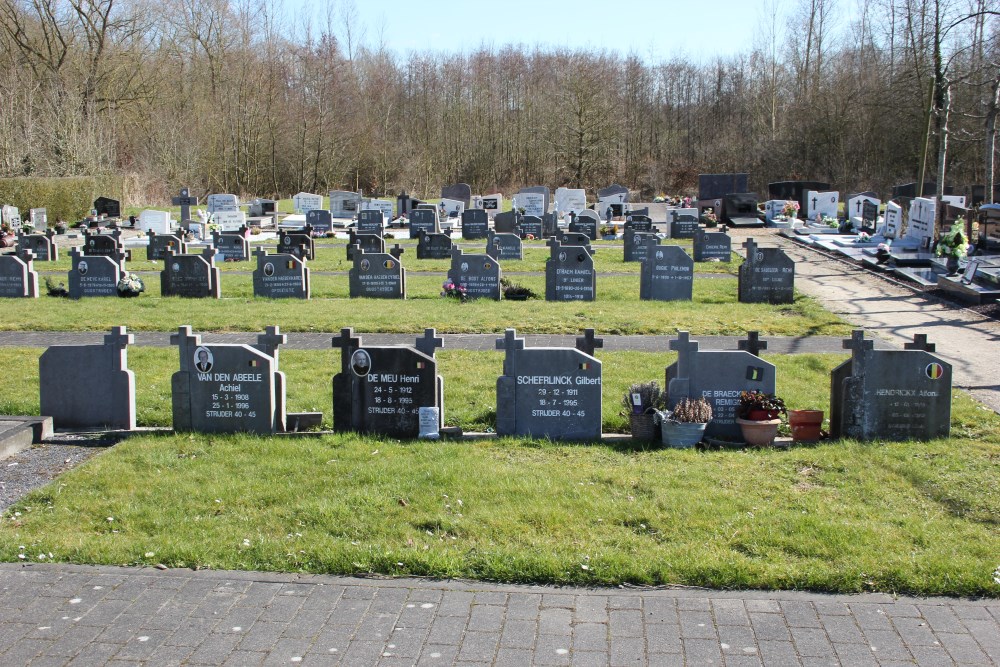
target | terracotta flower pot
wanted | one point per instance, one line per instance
(759, 433)
(806, 424)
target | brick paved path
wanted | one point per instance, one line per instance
(63, 614)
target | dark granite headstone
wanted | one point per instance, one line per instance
(740, 209)
(159, 244)
(548, 392)
(94, 275)
(584, 225)
(475, 224)
(569, 273)
(43, 246)
(320, 220)
(719, 377)
(109, 207)
(18, 278)
(505, 223)
(479, 275)
(667, 274)
(107, 245)
(869, 214)
(371, 221)
(231, 247)
(576, 238)
(424, 219)
(365, 242)
(682, 226)
(504, 246)
(434, 246)
(194, 276)
(550, 225)
(280, 276)
(635, 243)
(378, 275)
(530, 226)
(639, 223)
(716, 186)
(380, 389)
(459, 191)
(298, 243)
(710, 246)
(766, 276)
(89, 386)
(890, 394)
(224, 388)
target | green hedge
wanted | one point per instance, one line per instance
(69, 198)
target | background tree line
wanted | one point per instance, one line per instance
(227, 96)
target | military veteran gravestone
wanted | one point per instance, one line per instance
(531, 227)
(371, 221)
(231, 247)
(434, 246)
(280, 276)
(298, 243)
(584, 225)
(549, 392)
(719, 377)
(636, 242)
(225, 388)
(504, 246)
(767, 276)
(424, 220)
(319, 220)
(96, 275)
(107, 245)
(364, 242)
(667, 274)
(158, 244)
(475, 224)
(194, 276)
(42, 246)
(18, 278)
(569, 273)
(377, 275)
(712, 246)
(890, 394)
(84, 386)
(683, 224)
(479, 275)
(381, 389)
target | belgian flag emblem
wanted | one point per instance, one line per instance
(585, 366)
(755, 373)
(934, 371)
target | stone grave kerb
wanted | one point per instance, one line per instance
(397, 250)
(119, 340)
(429, 342)
(920, 343)
(269, 341)
(753, 344)
(510, 343)
(348, 343)
(185, 342)
(587, 343)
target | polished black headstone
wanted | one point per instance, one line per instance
(635, 243)
(475, 224)
(709, 246)
(194, 276)
(280, 276)
(434, 246)
(377, 275)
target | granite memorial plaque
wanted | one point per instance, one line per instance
(380, 389)
(584, 225)
(712, 246)
(475, 224)
(569, 273)
(635, 243)
(158, 244)
(112, 208)
(378, 275)
(766, 276)
(94, 275)
(530, 227)
(424, 219)
(365, 242)
(506, 223)
(371, 221)
(18, 278)
(667, 274)
(320, 220)
(479, 275)
(280, 276)
(231, 247)
(504, 246)
(434, 246)
(548, 392)
(193, 276)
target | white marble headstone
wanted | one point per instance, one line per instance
(230, 221)
(383, 205)
(156, 221)
(568, 199)
(920, 223)
(827, 204)
(222, 202)
(306, 201)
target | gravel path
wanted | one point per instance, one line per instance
(40, 464)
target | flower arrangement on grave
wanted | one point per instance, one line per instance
(684, 426)
(863, 237)
(710, 218)
(607, 230)
(790, 209)
(882, 251)
(516, 291)
(213, 227)
(953, 243)
(641, 402)
(830, 222)
(449, 288)
(130, 285)
(758, 406)
(530, 237)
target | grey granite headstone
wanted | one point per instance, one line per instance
(548, 392)
(636, 242)
(365, 243)
(380, 389)
(320, 220)
(890, 394)
(298, 243)
(18, 278)
(478, 274)
(43, 246)
(89, 386)
(231, 247)
(158, 245)
(640, 223)
(475, 224)
(371, 221)
(280, 276)
(569, 273)
(530, 226)
(587, 215)
(377, 275)
(766, 276)
(96, 275)
(576, 238)
(434, 246)
(584, 225)
(459, 191)
(667, 274)
(344, 203)
(107, 245)
(503, 246)
(719, 376)
(424, 219)
(193, 276)
(505, 223)
(710, 246)
(682, 226)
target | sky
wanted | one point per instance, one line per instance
(651, 30)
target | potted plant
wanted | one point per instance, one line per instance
(607, 231)
(882, 252)
(7, 238)
(759, 415)
(60, 227)
(130, 285)
(953, 246)
(641, 402)
(684, 426)
(709, 219)
(806, 425)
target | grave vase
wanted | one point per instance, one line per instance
(952, 265)
(759, 433)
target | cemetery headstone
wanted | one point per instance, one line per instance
(94, 275)
(719, 376)
(230, 220)
(39, 218)
(381, 388)
(584, 225)
(42, 245)
(320, 220)
(222, 202)
(11, 215)
(109, 207)
(434, 246)
(869, 215)
(504, 246)
(682, 225)
(667, 274)
(382, 205)
(568, 199)
(534, 200)
(107, 245)
(548, 392)
(405, 203)
(569, 273)
(226, 388)
(893, 220)
(854, 208)
(506, 223)
(158, 244)
(18, 278)
(766, 276)
(531, 226)
(280, 276)
(262, 208)
(424, 219)
(479, 275)
(460, 192)
(576, 238)
(185, 200)
(890, 394)
(636, 242)
(151, 220)
(826, 204)
(615, 197)
(298, 243)
(639, 223)
(492, 204)
(365, 243)
(920, 223)
(475, 224)
(89, 386)
(709, 246)
(307, 201)
(450, 209)
(231, 247)
(740, 209)
(371, 221)
(193, 276)
(716, 186)
(344, 204)
(377, 275)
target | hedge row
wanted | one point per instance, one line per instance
(69, 198)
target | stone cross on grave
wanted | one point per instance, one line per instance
(685, 348)
(587, 342)
(858, 345)
(429, 342)
(347, 342)
(185, 201)
(396, 251)
(753, 344)
(751, 247)
(509, 343)
(269, 341)
(815, 200)
(860, 202)
(185, 342)
(209, 252)
(920, 343)
(120, 339)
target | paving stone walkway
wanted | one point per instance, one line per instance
(64, 614)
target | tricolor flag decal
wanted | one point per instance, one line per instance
(420, 364)
(584, 366)
(755, 373)
(934, 371)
